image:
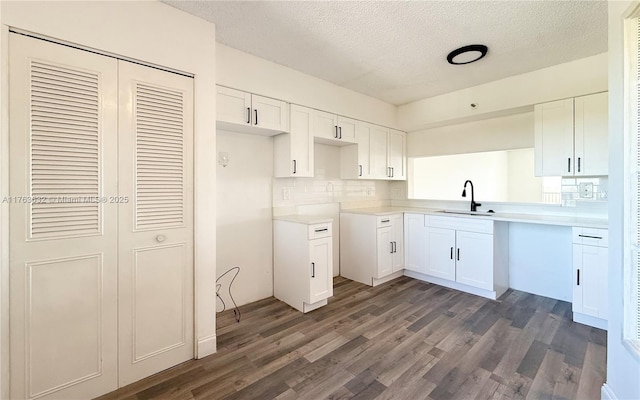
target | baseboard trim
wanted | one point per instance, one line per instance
(489, 294)
(206, 346)
(607, 393)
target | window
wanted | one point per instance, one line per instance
(498, 176)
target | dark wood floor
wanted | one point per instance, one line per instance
(402, 340)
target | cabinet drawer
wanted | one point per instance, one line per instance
(460, 224)
(318, 231)
(384, 220)
(591, 236)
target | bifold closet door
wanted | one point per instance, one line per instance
(63, 236)
(155, 283)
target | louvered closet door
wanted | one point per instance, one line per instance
(63, 242)
(156, 221)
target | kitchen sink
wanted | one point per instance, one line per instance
(464, 212)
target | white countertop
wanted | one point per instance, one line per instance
(506, 217)
(304, 219)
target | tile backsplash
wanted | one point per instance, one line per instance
(289, 192)
(588, 189)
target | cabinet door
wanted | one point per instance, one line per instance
(347, 129)
(590, 280)
(269, 113)
(385, 252)
(326, 125)
(320, 269)
(364, 152)
(396, 155)
(474, 259)
(233, 106)
(397, 226)
(415, 243)
(554, 138)
(591, 134)
(441, 245)
(301, 161)
(378, 152)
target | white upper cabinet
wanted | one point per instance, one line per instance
(396, 155)
(379, 154)
(234, 106)
(554, 138)
(592, 134)
(326, 125)
(347, 129)
(571, 137)
(270, 113)
(293, 152)
(378, 136)
(250, 113)
(336, 129)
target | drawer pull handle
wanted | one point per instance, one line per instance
(256, 112)
(458, 254)
(336, 134)
(295, 166)
(313, 270)
(360, 167)
(451, 255)
(569, 164)
(340, 132)
(160, 238)
(248, 115)
(322, 230)
(578, 282)
(385, 221)
(590, 237)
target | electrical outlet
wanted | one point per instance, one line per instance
(585, 190)
(286, 194)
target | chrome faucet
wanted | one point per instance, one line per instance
(474, 205)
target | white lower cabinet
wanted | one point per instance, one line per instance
(474, 259)
(303, 263)
(371, 247)
(590, 276)
(468, 254)
(441, 245)
(415, 233)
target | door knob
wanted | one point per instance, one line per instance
(160, 238)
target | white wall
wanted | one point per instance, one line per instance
(502, 133)
(244, 216)
(154, 33)
(623, 367)
(509, 95)
(244, 71)
(540, 260)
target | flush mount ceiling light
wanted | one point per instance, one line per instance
(467, 54)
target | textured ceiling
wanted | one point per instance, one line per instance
(396, 50)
